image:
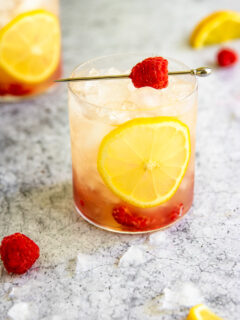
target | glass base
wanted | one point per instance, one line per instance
(126, 232)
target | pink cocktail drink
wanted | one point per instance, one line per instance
(96, 109)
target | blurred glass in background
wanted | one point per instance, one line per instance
(30, 47)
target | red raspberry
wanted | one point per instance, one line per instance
(18, 253)
(81, 203)
(125, 217)
(226, 57)
(17, 90)
(177, 212)
(13, 89)
(3, 89)
(151, 72)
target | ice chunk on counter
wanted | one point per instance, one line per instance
(157, 238)
(134, 256)
(184, 294)
(20, 311)
(86, 262)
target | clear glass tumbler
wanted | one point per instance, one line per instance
(97, 109)
(30, 47)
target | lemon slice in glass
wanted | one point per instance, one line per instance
(144, 160)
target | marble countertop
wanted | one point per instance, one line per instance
(86, 273)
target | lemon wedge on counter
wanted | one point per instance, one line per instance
(200, 312)
(216, 28)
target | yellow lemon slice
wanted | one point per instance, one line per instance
(144, 160)
(200, 312)
(30, 46)
(218, 27)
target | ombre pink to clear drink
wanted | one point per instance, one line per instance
(96, 108)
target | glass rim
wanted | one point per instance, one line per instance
(168, 106)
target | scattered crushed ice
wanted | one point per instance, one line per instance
(134, 256)
(7, 287)
(185, 295)
(181, 295)
(19, 291)
(157, 238)
(20, 311)
(86, 262)
(13, 292)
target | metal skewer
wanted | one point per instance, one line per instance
(200, 72)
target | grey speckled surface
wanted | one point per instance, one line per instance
(77, 275)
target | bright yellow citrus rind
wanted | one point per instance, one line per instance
(144, 160)
(201, 312)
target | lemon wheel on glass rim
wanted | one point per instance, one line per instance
(30, 46)
(144, 160)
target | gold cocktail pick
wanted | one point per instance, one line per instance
(200, 72)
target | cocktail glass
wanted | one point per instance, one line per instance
(30, 57)
(96, 108)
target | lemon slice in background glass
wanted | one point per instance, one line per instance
(216, 28)
(144, 160)
(30, 46)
